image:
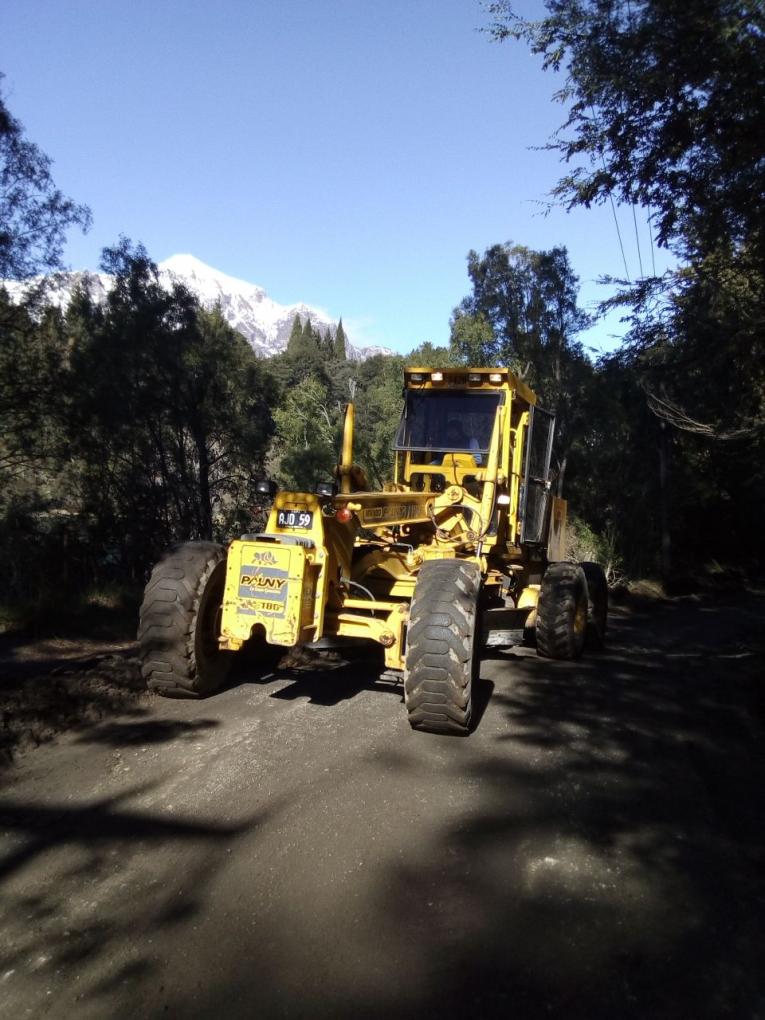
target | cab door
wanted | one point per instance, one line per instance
(535, 490)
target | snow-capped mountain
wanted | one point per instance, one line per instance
(247, 307)
(262, 321)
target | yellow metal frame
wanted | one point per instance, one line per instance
(353, 570)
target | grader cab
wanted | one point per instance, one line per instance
(461, 551)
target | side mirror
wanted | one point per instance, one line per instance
(326, 489)
(266, 487)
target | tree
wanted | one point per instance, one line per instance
(473, 340)
(378, 407)
(168, 414)
(310, 337)
(664, 110)
(307, 429)
(523, 313)
(296, 335)
(339, 351)
(34, 214)
(303, 356)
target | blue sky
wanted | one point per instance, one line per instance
(345, 153)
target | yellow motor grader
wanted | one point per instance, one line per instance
(461, 551)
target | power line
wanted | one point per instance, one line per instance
(649, 217)
(618, 232)
(611, 200)
(637, 241)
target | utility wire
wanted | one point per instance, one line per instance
(637, 241)
(649, 218)
(611, 200)
(618, 232)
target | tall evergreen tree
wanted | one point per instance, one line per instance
(296, 335)
(309, 333)
(340, 352)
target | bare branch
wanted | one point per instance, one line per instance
(667, 411)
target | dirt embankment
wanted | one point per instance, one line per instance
(52, 685)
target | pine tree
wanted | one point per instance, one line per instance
(296, 335)
(303, 356)
(340, 353)
(309, 333)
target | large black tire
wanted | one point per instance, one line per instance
(562, 612)
(179, 622)
(441, 646)
(597, 615)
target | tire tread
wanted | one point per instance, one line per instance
(168, 621)
(440, 652)
(563, 586)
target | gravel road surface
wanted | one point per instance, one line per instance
(291, 849)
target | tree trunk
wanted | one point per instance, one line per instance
(205, 502)
(563, 462)
(664, 502)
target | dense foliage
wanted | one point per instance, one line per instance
(34, 214)
(664, 111)
(127, 425)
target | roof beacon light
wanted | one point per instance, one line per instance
(495, 377)
(343, 514)
(436, 376)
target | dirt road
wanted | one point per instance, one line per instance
(291, 849)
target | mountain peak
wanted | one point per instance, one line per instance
(185, 263)
(206, 281)
(264, 323)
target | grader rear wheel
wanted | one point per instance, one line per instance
(562, 612)
(180, 622)
(440, 658)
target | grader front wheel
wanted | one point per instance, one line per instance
(440, 658)
(180, 621)
(562, 612)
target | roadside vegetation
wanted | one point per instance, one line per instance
(146, 420)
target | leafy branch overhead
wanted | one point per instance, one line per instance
(34, 214)
(664, 110)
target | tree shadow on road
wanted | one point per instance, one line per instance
(137, 733)
(609, 863)
(616, 854)
(104, 884)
